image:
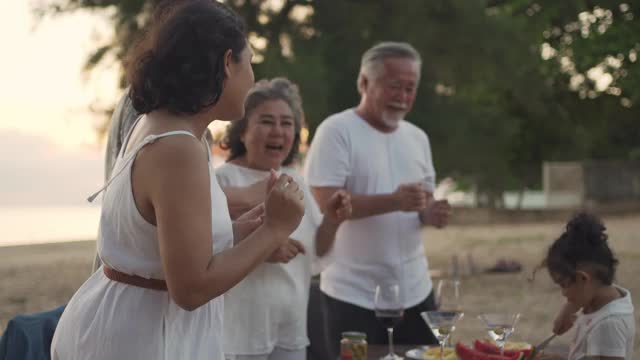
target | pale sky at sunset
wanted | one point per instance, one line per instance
(49, 151)
(48, 148)
(43, 88)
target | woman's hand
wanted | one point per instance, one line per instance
(241, 199)
(247, 223)
(284, 207)
(258, 191)
(286, 252)
(338, 207)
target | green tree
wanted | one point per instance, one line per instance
(506, 84)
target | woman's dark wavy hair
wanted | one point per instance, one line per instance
(179, 62)
(583, 243)
(266, 90)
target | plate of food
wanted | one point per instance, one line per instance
(431, 353)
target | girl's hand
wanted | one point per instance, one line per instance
(565, 319)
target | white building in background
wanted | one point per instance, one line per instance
(592, 182)
(563, 184)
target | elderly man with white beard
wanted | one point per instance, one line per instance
(385, 163)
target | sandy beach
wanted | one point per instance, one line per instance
(40, 277)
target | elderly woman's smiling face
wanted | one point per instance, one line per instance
(269, 135)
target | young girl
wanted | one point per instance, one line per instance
(581, 262)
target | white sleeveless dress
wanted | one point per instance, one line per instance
(106, 319)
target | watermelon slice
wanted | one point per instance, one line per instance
(465, 352)
(489, 348)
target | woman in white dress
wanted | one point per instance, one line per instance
(165, 230)
(266, 313)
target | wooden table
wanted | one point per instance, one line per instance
(376, 352)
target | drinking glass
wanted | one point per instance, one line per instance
(500, 326)
(389, 311)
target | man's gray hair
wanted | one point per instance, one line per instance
(372, 59)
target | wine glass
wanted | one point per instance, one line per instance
(447, 298)
(500, 326)
(447, 295)
(389, 311)
(442, 324)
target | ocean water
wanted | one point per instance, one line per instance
(37, 225)
(46, 224)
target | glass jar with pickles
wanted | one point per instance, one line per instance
(353, 346)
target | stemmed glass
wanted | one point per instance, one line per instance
(500, 326)
(443, 321)
(448, 298)
(447, 295)
(389, 311)
(442, 324)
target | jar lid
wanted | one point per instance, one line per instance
(354, 335)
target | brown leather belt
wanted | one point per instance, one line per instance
(134, 280)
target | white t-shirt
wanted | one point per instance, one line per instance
(347, 152)
(609, 331)
(269, 307)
